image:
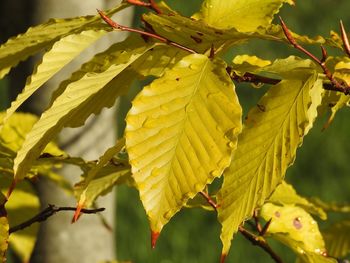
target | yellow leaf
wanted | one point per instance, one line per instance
(37, 38)
(337, 239)
(285, 194)
(294, 227)
(61, 53)
(180, 133)
(95, 86)
(23, 205)
(244, 15)
(267, 147)
(4, 229)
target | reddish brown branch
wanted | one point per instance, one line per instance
(209, 200)
(151, 4)
(50, 211)
(345, 39)
(116, 26)
(337, 86)
(260, 242)
(155, 7)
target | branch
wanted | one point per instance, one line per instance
(260, 242)
(116, 26)
(209, 200)
(151, 4)
(257, 79)
(50, 211)
(337, 86)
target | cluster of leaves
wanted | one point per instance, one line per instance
(185, 128)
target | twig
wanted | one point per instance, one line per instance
(257, 79)
(151, 4)
(209, 200)
(345, 39)
(337, 86)
(50, 211)
(257, 222)
(116, 26)
(260, 242)
(155, 7)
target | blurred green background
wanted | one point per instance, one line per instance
(320, 169)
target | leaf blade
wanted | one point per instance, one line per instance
(165, 129)
(87, 92)
(266, 148)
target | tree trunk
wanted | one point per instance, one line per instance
(59, 240)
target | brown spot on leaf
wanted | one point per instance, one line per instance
(277, 214)
(197, 39)
(200, 34)
(177, 79)
(261, 107)
(297, 223)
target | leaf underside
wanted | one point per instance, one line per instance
(267, 147)
(180, 133)
(244, 15)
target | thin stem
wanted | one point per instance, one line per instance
(260, 242)
(138, 3)
(209, 200)
(155, 7)
(116, 26)
(258, 226)
(50, 211)
(342, 87)
(345, 39)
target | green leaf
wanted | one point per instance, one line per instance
(101, 178)
(61, 53)
(243, 15)
(337, 239)
(180, 133)
(96, 85)
(43, 36)
(294, 227)
(4, 229)
(267, 147)
(23, 205)
(285, 194)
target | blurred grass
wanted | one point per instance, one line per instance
(320, 169)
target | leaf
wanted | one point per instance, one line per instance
(334, 100)
(98, 180)
(14, 131)
(23, 205)
(315, 258)
(157, 60)
(61, 53)
(4, 229)
(285, 194)
(180, 133)
(294, 227)
(43, 36)
(246, 63)
(337, 239)
(96, 85)
(267, 147)
(331, 207)
(243, 15)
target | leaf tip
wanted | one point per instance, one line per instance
(77, 213)
(154, 238)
